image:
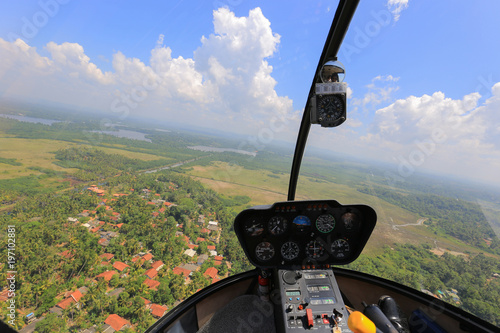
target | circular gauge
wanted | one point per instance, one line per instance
(302, 223)
(264, 251)
(340, 248)
(325, 223)
(350, 221)
(253, 227)
(315, 249)
(277, 225)
(290, 250)
(330, 107)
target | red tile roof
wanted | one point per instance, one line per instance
(211, 271)
(157, 310)
(106, 275)
(200, 239)
(192, 246)
(77, 295)
(217, 262)
(120, 265)
(211, 247)
(96, 229)
(218, 258)
(65, 303)
(152, 284)
(107, 256)
(167, 204)
(151, 273)
(119, 225)
(147, 256)
(116, 322)
(157, 264)
(101, 241)
(179, 270)
(205, 231)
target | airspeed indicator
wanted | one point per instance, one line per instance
(325, 223)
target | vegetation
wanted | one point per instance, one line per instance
(458, 218)
(129, 213)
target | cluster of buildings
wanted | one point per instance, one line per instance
(107, 230)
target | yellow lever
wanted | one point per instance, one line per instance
(359, 323)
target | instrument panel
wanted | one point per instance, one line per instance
(304, 234)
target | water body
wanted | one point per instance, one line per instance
(121, 133)
(31, 119)
(222, 150)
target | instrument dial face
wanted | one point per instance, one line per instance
(253, 227)
(290, 250)
(330, 107)
(302, 223)
(277, 225)
(264, 251)
(314, 249)
(340, 248)
(325, 223)
(350, 221)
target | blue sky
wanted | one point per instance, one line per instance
(415, 69)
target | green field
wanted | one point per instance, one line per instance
(394, 225)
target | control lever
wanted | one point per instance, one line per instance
(390, 308)
(379, 319)
(359, 323)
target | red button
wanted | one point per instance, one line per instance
(310, 320)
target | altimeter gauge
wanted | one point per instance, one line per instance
(290, 250)
(277, 225)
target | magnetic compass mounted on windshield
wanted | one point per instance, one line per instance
(328, 105)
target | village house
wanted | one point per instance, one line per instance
(116, 323)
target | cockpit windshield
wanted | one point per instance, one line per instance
(132, 134)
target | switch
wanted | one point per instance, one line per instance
(337, 316)
(310, 319)
(289, 308)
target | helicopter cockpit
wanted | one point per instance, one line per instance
(297, 246)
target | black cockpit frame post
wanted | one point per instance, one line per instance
(342, 19)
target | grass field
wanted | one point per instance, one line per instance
(264, 187)
(40, 153)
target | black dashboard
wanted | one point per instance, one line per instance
(304, 234)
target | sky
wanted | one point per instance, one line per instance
(423, 76)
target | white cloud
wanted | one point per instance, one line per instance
(228, 81)
(380, 90)
(396, 7)
(427, 133)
